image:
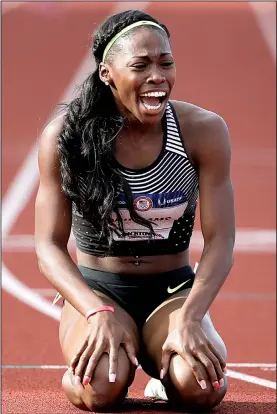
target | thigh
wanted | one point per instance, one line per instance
(73, 327)
(162, 321)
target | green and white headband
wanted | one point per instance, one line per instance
(126, 29)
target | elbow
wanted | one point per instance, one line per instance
(42, 254)
(229, 251)
(47, 254)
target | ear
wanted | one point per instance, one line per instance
(104, 73)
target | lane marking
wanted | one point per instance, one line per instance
(28, 296)
(265, 14)
(232, 364)
(251, 379)
(230, 296)
(22, 187)
(251, 365)
(247, 240)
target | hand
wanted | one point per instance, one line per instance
(105, 335)
(191, 343)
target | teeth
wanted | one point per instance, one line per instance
(154, 94)
(152, 107)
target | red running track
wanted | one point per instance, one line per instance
(224, 65)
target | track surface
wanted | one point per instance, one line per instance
(224, 65)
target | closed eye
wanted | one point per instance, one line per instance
(139, 65)
(143, 65)
(167, 64)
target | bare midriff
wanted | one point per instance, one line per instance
(136, 265)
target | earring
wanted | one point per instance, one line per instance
(106, 83)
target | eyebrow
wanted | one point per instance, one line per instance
(147, 57)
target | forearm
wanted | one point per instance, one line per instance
(57, 266)
(214, 267)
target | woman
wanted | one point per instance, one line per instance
(123, 168)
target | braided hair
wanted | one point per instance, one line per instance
(85, 143)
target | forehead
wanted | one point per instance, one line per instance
(145, 41)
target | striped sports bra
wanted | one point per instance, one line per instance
(165, 192)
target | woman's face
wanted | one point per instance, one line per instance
(142, 75)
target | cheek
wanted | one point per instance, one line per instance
(126, 89)
(172, 77)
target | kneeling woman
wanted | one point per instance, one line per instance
(123, 168)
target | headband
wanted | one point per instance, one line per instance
(126, 29)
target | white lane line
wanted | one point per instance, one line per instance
(251, 365)
(252, 379)
(247, 240)
(34, 366)
(28, 296)
(226, 296)
(26, 180)
(232, 364)
(232, 374)
(265, 13)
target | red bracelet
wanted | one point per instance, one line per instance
(99, 309)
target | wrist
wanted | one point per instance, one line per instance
(99, 309)
(190, 318)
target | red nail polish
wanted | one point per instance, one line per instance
(216, 386)
(86, 380)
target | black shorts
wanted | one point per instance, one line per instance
(139, 295)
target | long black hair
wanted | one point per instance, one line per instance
(86, 142)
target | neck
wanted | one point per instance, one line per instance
(137, 129)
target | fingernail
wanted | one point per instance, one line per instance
(86, 380)
(112, 377)
(216, 385)
(77, 380)
(136, 361)
(225, 371)
(221, 382)
(162, 374)
(203, 384)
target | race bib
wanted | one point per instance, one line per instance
(161, 209)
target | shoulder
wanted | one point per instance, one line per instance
(52, 130)
(48, 150)
(196, 118)
(204, 131)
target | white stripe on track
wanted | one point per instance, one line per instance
(28, 296)
(232, 364)
(232, 374)
(247, 240)
(252, 379)
(251, 365)
(265, 13)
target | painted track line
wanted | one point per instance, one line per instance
(227, 296)
(230, 373)
(252, 379)
(265, 13)
(231, 364)
(248, 240)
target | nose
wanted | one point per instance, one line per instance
(156, 77)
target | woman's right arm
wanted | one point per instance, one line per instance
(53, 225)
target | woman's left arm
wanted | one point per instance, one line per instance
(213, 154)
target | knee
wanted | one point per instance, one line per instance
(101, 395)
(184, 391)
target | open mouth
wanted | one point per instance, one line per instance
(153, 101)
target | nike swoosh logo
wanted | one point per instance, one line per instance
(172, 290)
